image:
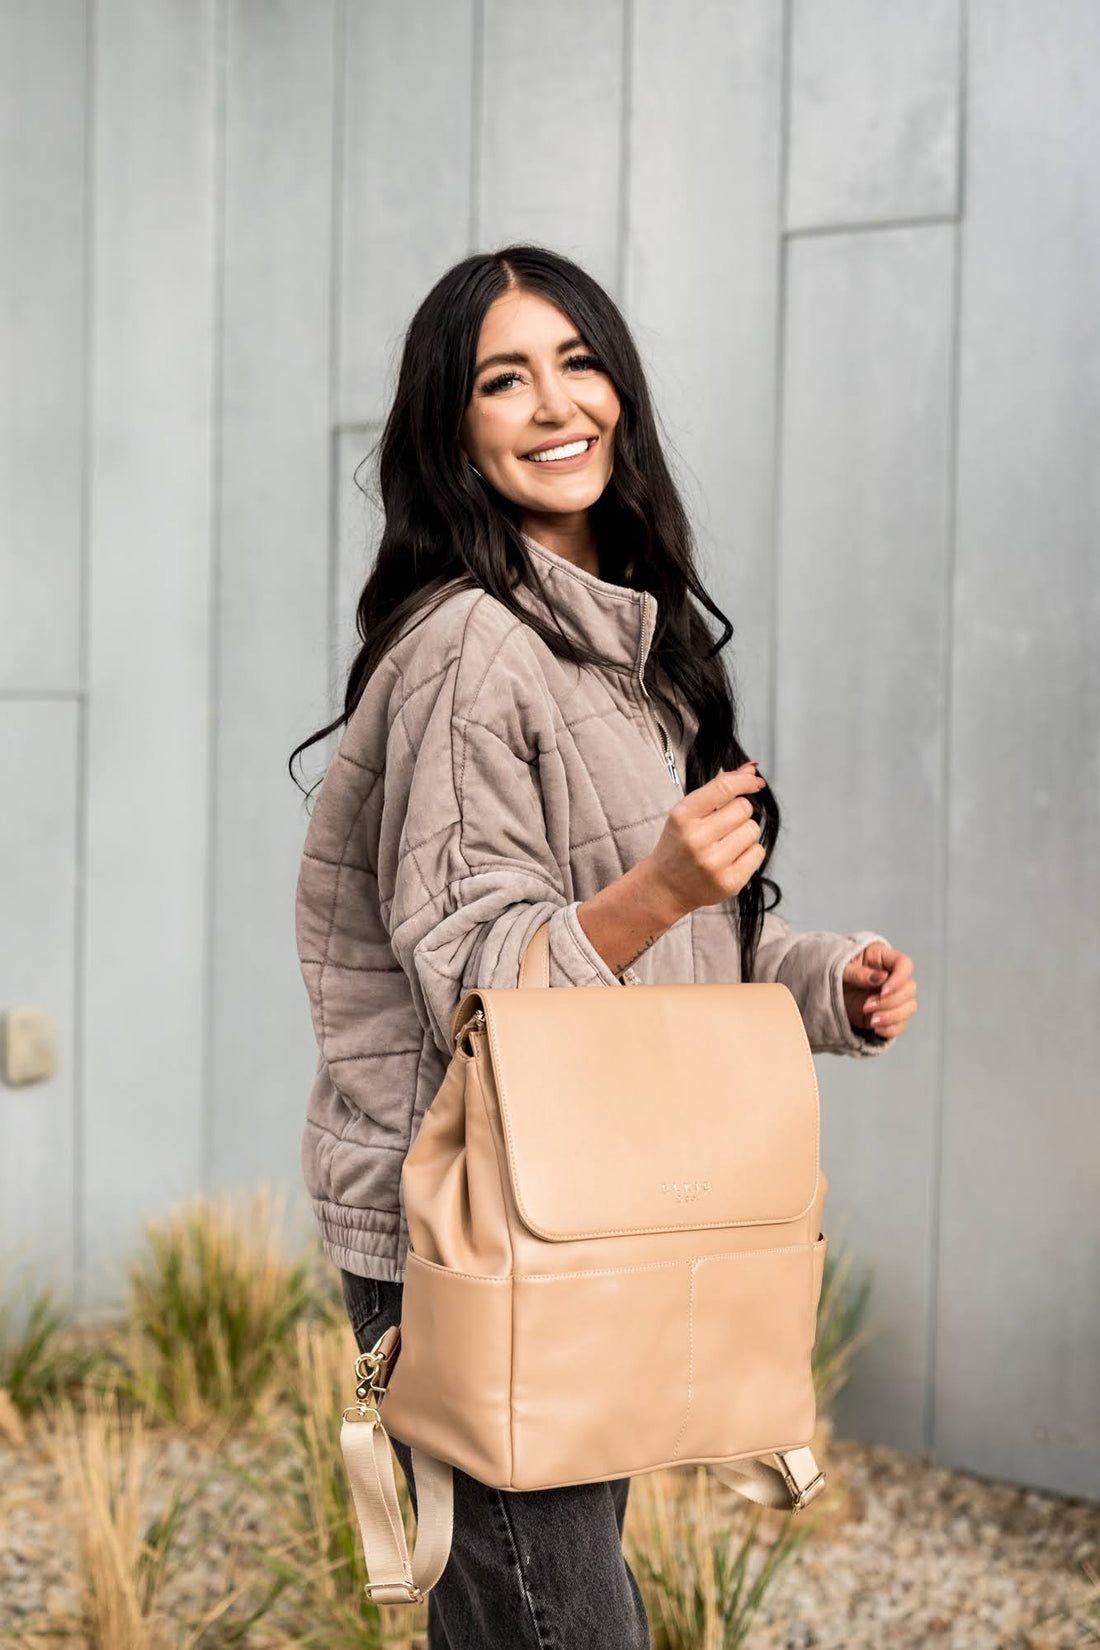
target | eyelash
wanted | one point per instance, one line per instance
(496, 383)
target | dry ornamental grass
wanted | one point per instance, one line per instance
(175, 1483)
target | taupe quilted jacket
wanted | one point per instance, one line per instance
(480, 786)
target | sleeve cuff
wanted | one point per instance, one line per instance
(577, 956)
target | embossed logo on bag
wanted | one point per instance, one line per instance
(685, 1191)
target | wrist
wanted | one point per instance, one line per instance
(654, 896)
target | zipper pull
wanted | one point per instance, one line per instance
(670, 762)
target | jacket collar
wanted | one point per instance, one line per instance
(611, 618)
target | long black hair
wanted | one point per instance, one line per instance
(445, 525)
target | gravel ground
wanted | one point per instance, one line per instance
(912, 1556)
(906, 1554)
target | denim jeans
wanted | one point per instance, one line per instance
(529, 1569)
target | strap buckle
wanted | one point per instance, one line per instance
(800, 1494)
(368, 1392)
(415, 1596)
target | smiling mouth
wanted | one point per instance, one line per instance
(563, 453)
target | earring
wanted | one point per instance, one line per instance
(474, 468)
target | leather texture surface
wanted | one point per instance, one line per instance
(615, 1244)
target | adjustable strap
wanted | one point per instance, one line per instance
(793, 1484)
(368, 1456)
(394, 1579)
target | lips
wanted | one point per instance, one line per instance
(562, 441)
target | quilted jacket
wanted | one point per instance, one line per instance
(481, 786)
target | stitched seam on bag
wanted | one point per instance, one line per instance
(636, 1231)
(691, 1357)
(743, 1254)
(652, 1265)
(630, 1469)
(452, 1272)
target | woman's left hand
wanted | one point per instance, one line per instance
(880, 989)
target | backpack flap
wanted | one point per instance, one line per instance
(659, 1109)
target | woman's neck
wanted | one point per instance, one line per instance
(571, 538)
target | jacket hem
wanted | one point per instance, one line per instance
(354, 1244)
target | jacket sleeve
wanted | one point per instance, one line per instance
(811, 965)
(466, 868)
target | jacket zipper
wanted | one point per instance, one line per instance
(651, 716)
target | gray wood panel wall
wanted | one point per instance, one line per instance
(858, 245)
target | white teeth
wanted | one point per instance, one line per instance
(568, 451)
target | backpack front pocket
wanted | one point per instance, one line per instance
(750, 1381)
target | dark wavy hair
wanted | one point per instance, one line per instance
(444, 525)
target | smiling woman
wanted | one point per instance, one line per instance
(539, 734)
(542, 432)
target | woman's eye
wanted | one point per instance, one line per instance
(498, 383)
(491, 385)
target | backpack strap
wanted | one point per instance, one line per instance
(795, 1483)
(394, 1579)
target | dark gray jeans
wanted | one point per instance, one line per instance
(529, 1569)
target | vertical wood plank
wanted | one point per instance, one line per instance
(551, 117)
(406, 181)
(701, 289)
(43, 273)
(1018, 1368)
(145, 953)
(874, 111)
(862, 647)
(38, 867)
(358, 522)
(273, 581)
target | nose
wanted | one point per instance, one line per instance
(555, 405)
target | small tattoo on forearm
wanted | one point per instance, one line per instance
(652, 940)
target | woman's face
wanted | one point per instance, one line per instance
(551, 391)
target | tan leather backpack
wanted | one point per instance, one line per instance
(615, 1257)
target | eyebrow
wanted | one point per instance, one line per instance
(518, 359)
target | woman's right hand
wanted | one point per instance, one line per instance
(708, 847)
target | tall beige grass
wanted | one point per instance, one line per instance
(313, 1520)
(42, 1356)
(841, 1331)
(230, 1325)
(102, 1457)
(125, 1514)
(704, 1570)
(213, 1303)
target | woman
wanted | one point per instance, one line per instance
(538, 725)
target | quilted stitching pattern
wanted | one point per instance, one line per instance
(480, 787)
